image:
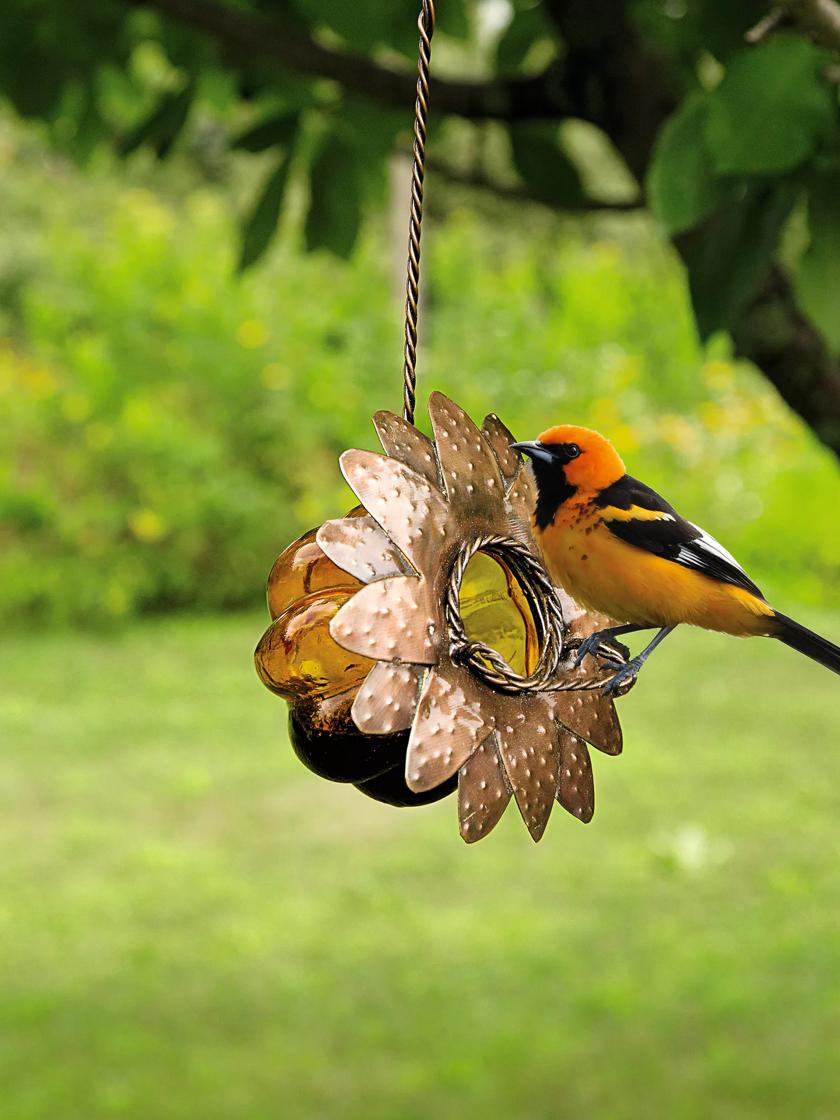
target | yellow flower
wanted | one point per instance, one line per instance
(147, 526)
(252, 334)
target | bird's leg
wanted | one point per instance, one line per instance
(591, 644)
(631, 669)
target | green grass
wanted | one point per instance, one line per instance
(192, 925)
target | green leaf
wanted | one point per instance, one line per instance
(364, 24)
(261, 224)
(334, 215)
(453, 18)
(162, 126)
(546, 169)
(528, 26)
(817, 275)
(276, 130)
(728, 256)
(771, 109)
(681, 184)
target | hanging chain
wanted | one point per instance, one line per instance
(426, 26)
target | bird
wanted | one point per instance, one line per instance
(618, 547)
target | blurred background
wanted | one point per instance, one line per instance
(632, 223)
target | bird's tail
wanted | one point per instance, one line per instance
(806, 641)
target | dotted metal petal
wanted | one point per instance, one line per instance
(576, 792)
(469, 468)
(388, 621)
(483, 792)
(387, 700)
(500, 439)
(529, 753)
(402, 441)
(590, 715)
(411, 511)
(448, 726)
(522, 495)
(359, 546)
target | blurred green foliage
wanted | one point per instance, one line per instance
(754, 129)
(166, 428)
(194, 927)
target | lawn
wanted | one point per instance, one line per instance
(193, 926)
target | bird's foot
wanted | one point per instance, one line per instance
(626, 672)
(604, 644)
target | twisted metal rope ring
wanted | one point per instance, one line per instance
(545, 608)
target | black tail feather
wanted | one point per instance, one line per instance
(806, 641)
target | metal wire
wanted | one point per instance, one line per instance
(426, 26)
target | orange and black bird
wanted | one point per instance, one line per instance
(617, 547)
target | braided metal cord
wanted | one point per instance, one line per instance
(545, 607)
(426, 26)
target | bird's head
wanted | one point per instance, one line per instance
(566, 460)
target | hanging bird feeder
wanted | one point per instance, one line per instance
(418, 640)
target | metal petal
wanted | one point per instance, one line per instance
(386, 701)
(411, 511)
(402, 441)
(590, 715)
(483, 792)
(389, 620)
(529, 752)
(469, 469)
(500, 440)
(576, 791)
(358, 546)
(580, 621)
(448, 726)
(522, 496)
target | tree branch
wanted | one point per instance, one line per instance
(476, 181)
(610, 78)
(537, 96)
(818, 18)
(774, 335)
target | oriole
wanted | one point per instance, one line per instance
(616, 546)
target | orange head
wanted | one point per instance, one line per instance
(569, 460)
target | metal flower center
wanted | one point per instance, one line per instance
(540, 600)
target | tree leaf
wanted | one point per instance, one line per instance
(771, 109)
(728, 255)
(364, 24)
(681, 184)
(334, 215)
(162, 125)
(817, 275)
(260, 226)
(528, 26)
(548, 172)
(276, 130)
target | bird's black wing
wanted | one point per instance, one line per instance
(638, 515)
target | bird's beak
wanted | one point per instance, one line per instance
(534, 450)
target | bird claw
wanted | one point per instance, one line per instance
(605, 646)
(627, 672)
(587, 646)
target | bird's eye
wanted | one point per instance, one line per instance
(573, 451)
